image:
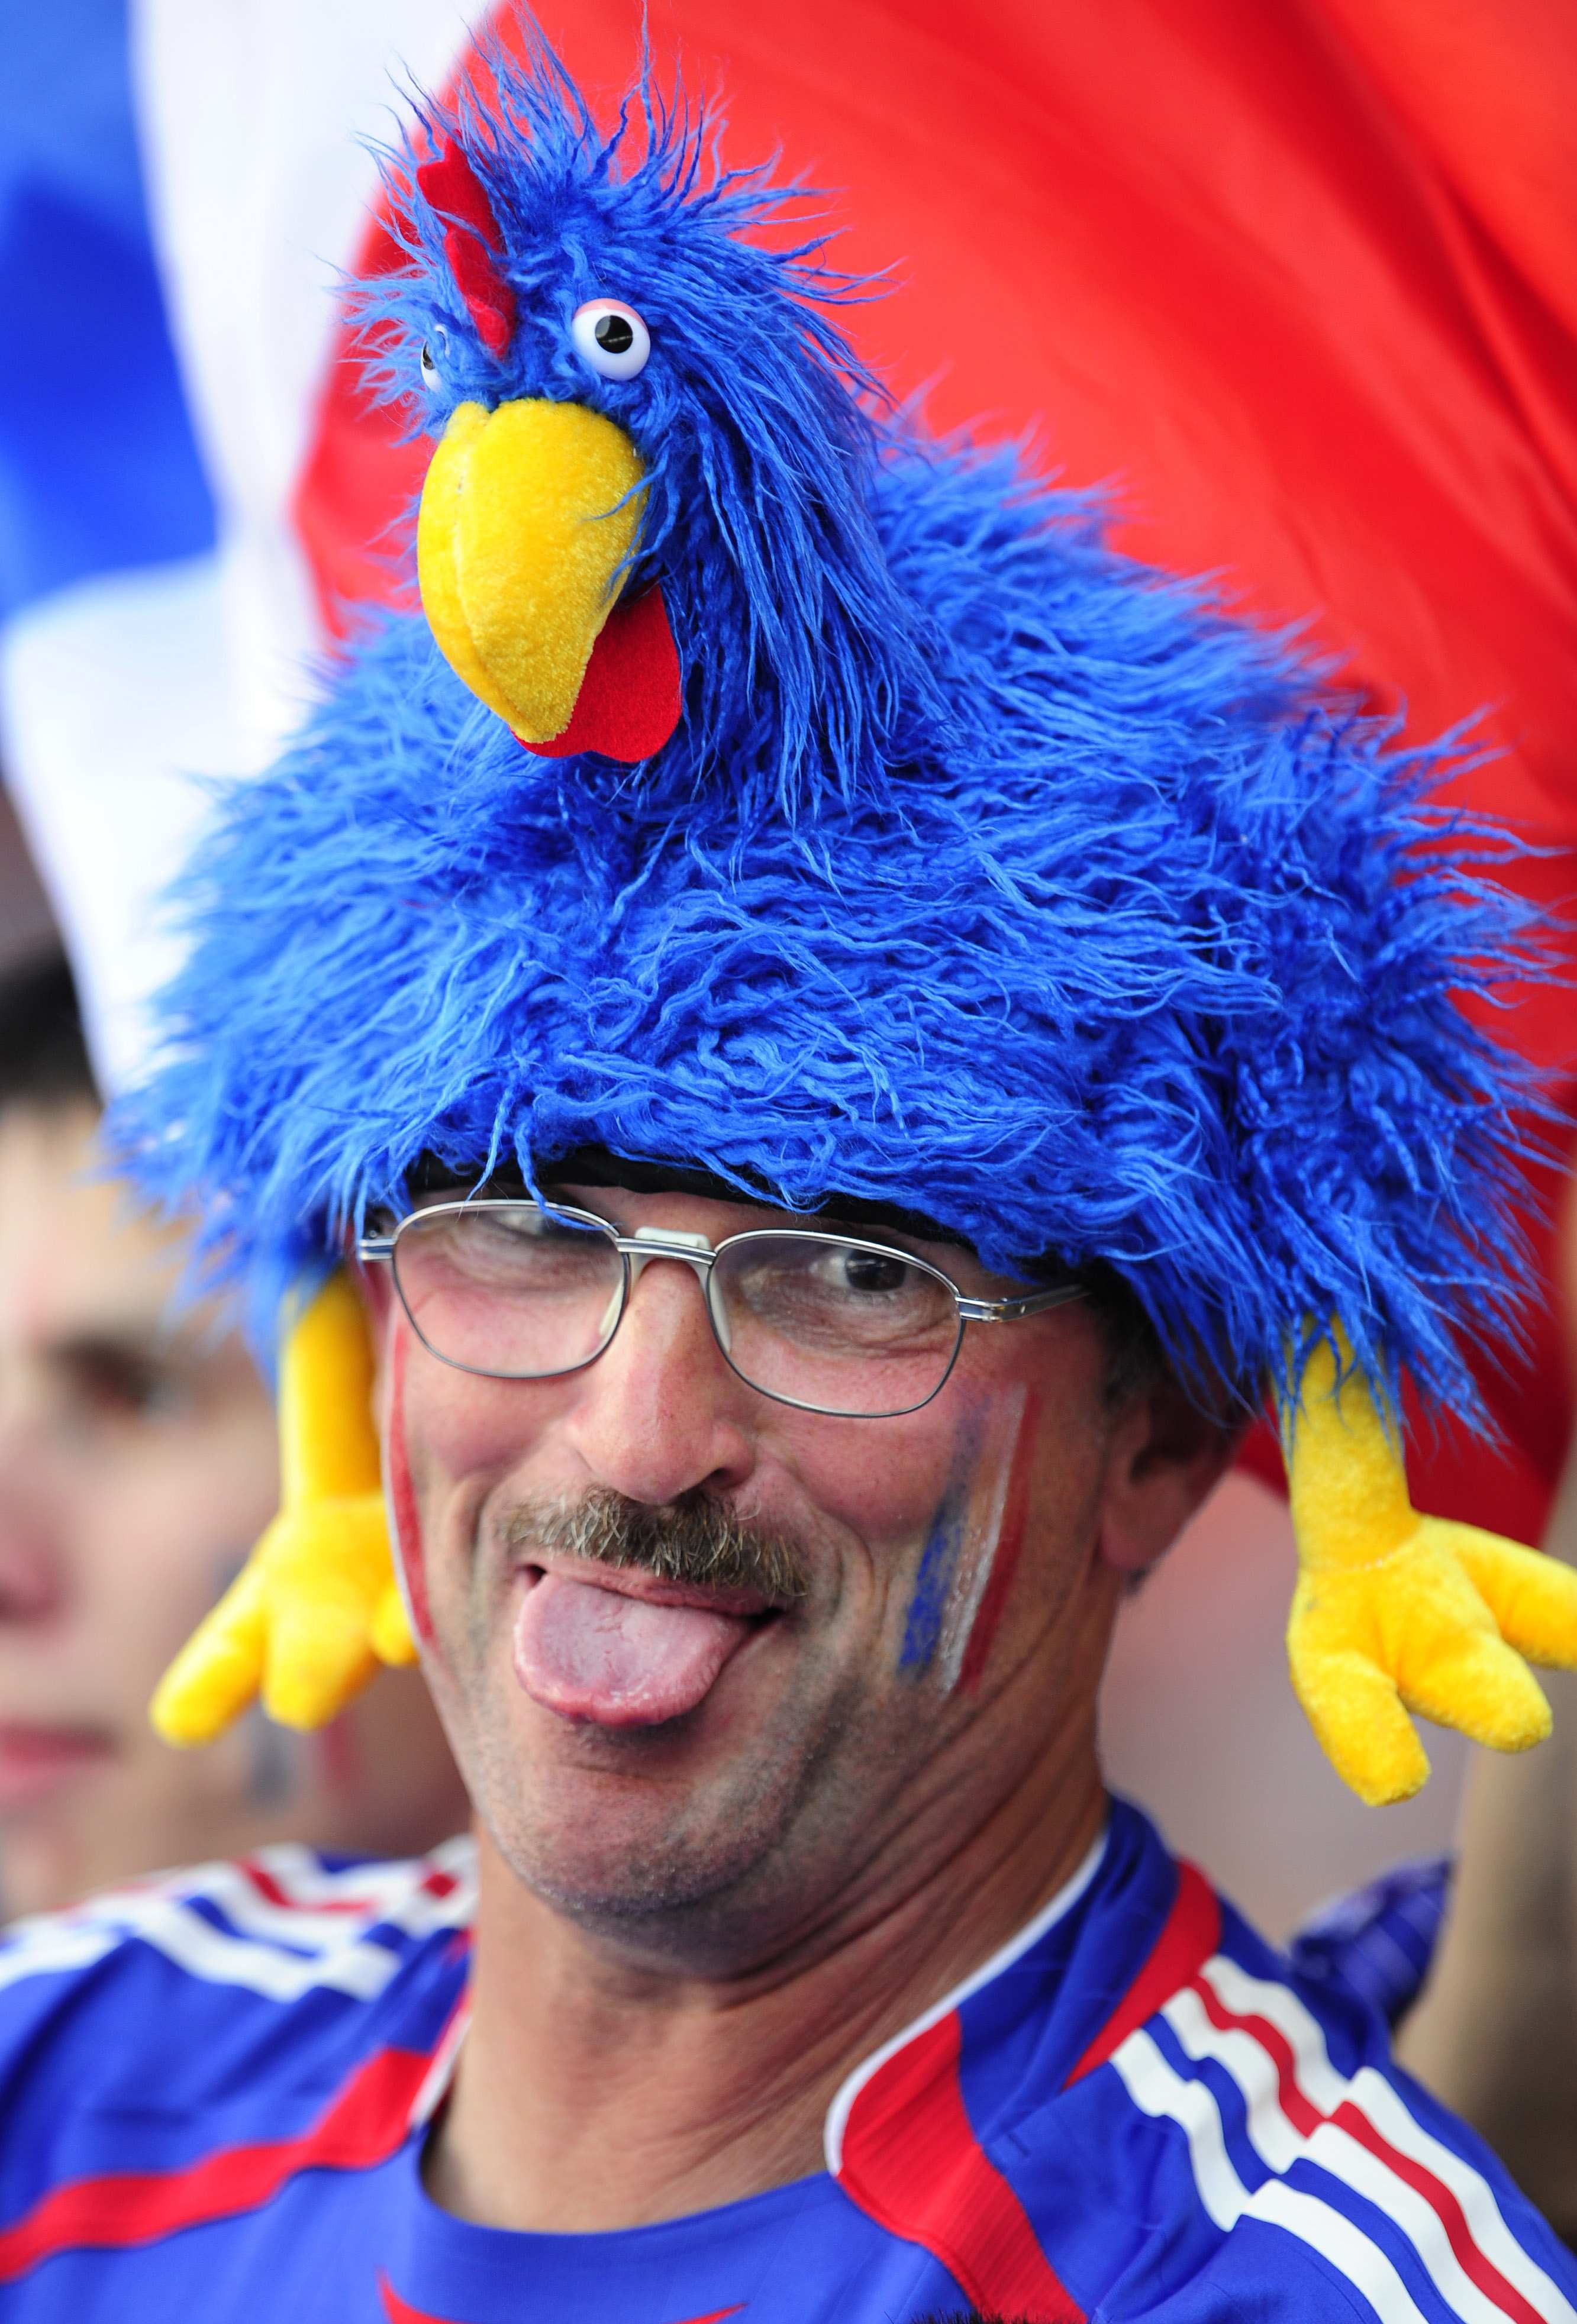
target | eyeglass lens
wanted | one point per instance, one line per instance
(504, 1289)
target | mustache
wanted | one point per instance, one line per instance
(695, 1539)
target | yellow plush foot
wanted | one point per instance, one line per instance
(1395, 1612)
(316, 1607)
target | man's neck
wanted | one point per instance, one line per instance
(593, 2094)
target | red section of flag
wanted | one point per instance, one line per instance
(1190, 1933)
(362, 2126)
(912, 2162)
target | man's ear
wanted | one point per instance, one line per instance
(1166, 1454)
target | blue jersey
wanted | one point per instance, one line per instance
(1381, 1942)
(215, 2090)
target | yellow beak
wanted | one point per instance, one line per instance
(528, 514)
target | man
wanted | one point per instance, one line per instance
(851, 1031)
(136, 1463)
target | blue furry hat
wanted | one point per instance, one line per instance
(986, 873)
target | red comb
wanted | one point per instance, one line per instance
(471, 244)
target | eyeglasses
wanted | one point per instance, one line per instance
(828, 1322)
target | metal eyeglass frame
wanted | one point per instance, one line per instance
(695, 1251)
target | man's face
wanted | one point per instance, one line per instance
(137, 1465)
(714, 1772)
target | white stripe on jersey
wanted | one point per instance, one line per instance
(1383, 2104)
(1330, 2148)
(1155, 2085)
(281, 1951)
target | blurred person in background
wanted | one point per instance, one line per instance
(137, 1463)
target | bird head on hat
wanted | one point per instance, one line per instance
(767, 791)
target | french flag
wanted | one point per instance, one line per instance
(180, 190)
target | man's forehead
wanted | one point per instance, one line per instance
(596, 1167)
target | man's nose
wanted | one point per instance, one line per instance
(659, 1411)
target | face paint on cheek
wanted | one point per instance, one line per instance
(994, 1580)
(409, 1566)
(966, 1566)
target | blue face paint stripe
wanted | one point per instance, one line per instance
(938, 1565)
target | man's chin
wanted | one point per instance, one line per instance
(638, 1824)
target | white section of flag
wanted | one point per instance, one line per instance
(113, 693)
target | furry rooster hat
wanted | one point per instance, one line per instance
(765, 790)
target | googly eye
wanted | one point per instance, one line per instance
(611, 337)
(431, 376)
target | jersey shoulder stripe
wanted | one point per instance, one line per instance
(1278, 2134)
(279, 1925)
(908, 2153)
(362, 2126)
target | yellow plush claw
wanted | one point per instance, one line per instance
(1395, 1612)
(528, 515)
(316, 1607)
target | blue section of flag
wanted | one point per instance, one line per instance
(99, 468)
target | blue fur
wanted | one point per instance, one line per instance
(988, 873)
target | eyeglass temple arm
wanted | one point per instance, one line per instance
(1009, 1311)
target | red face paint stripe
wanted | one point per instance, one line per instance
(1191, 1935)
(1306, 2117)
(1009, 1543)
(403, 1495)
(912, 2162)
(362, 2126)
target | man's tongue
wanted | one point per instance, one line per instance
(590, 1652)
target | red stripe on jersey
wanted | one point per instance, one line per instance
(364, 2125)
(268, 1887)
(400, 2311)
(1306, 2117)
(435, 1884)
(1191, 1935)
(912, 2162)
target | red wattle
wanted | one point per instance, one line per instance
(628, 700)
